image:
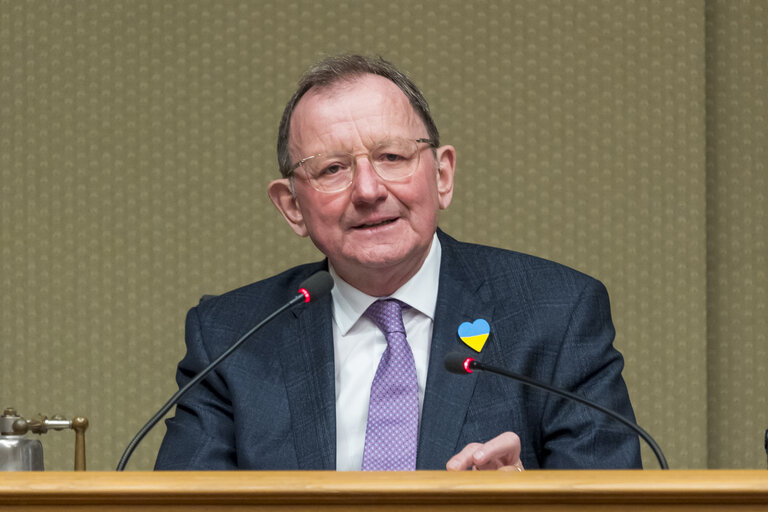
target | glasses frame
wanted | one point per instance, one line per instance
(292, 173)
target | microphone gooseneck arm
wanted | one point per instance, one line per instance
(315, 287)
(461, 364)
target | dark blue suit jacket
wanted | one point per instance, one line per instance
(271, 405)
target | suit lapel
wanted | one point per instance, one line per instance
(447, 395)
(307, 359)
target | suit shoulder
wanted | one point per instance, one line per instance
(507, 267)
(265, 295)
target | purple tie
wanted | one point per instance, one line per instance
(393, 412)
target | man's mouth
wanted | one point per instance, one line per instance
(376, 224)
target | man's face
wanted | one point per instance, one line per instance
(374, 230)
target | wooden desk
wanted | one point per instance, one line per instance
(401, 492)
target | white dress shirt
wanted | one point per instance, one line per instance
(358, 345)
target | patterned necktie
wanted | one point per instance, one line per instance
(393, 412)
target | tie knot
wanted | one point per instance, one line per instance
(387, 315)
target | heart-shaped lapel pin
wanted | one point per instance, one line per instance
(475, 334)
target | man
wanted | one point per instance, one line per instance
(328, 385)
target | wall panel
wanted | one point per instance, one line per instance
(737, 222)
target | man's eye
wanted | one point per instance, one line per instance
(330, 170)
(392, 158)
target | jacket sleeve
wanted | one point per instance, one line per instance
(575, 436)
(201, 434)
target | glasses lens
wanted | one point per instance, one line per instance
(395, 159)
(330, 172)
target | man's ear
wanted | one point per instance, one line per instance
(282, 197)
(446, 160)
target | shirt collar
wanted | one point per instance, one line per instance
(419, 292)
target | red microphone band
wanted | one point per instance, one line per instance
(304, 292)
(468, 364)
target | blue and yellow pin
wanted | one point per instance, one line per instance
(475, 334)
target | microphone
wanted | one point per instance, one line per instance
(315, 287)
(462, 365)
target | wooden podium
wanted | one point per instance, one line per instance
(401, 492)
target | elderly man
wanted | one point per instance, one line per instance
(356, 381)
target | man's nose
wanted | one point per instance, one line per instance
(367, 185)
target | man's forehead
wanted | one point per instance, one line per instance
(355, 100)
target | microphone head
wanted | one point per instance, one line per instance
(316, 286)
(458, 363)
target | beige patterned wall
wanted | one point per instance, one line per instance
(137, 138)
(737, 230)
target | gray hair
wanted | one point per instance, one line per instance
(342, 67)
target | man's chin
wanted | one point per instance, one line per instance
(377, 261)
(381, 270)
(386, 256)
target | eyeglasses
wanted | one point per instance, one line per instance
(332, 172)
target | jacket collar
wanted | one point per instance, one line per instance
(307, 361)
(447, 397)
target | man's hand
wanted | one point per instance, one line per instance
(502, 453)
